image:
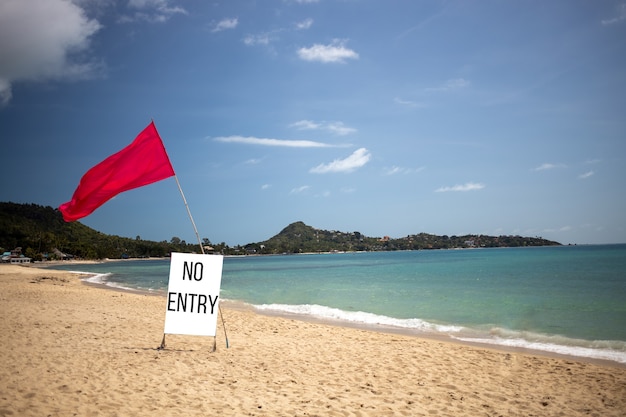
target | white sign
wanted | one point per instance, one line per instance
(192, 294)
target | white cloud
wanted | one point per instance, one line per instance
(548, 166)
(337, 128)
(451, 85)
(155, 11)
(261, 39)
(273, 142)
(359, 158)
(621, 16)
(266, 38)
(335, 52)
(401, 170)
(266, 186)
(408, 103)
(305, 125)
(470, 186)
(225, 24)
(299, 190)
(555, 230)
(305, 24)
(586, 175)
(393, 170)
(456, 83)
(38, 40)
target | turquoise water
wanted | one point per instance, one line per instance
(568, 300)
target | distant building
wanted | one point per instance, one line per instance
(63, 256)
(15, 257)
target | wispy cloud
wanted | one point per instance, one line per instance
(359, 158)
(305, 24)
(558, 229)
(334, 52)
(395, 170)
(155, 11)
(470, 186)
(337, 128)
(299, 190)
(451, 85)
(250, 140)
(266, 186)
(266, 38)
(408, 103)
(586, 175)
(548, 166)
(619, 17)
(225, 24)
(260, 39)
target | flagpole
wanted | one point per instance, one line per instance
(195, 229)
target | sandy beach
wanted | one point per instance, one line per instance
(71, 349)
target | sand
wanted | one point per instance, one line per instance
(71, 349)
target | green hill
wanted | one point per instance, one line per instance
(300, 238)
(41, 232)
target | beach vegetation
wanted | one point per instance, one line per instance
(44, 235)
(301, 238)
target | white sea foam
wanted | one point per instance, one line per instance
(97, 279)
(361, 317)
(571, 350)
(101, 279)
(92, 278)
(599, 349)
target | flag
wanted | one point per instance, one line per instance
(142, 162)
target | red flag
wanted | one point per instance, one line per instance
(141, 163)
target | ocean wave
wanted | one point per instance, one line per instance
(597, 349)
(102, 279)
(612, 350)
(93, 278)
(360, 317)
(98, 279)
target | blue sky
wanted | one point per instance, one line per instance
(383, 117)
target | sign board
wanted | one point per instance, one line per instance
(192, 294)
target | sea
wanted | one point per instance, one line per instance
(568, 300)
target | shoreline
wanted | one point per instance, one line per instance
(380, 328)
(76, 349)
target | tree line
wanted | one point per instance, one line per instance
(42, 233)
(301, 238)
